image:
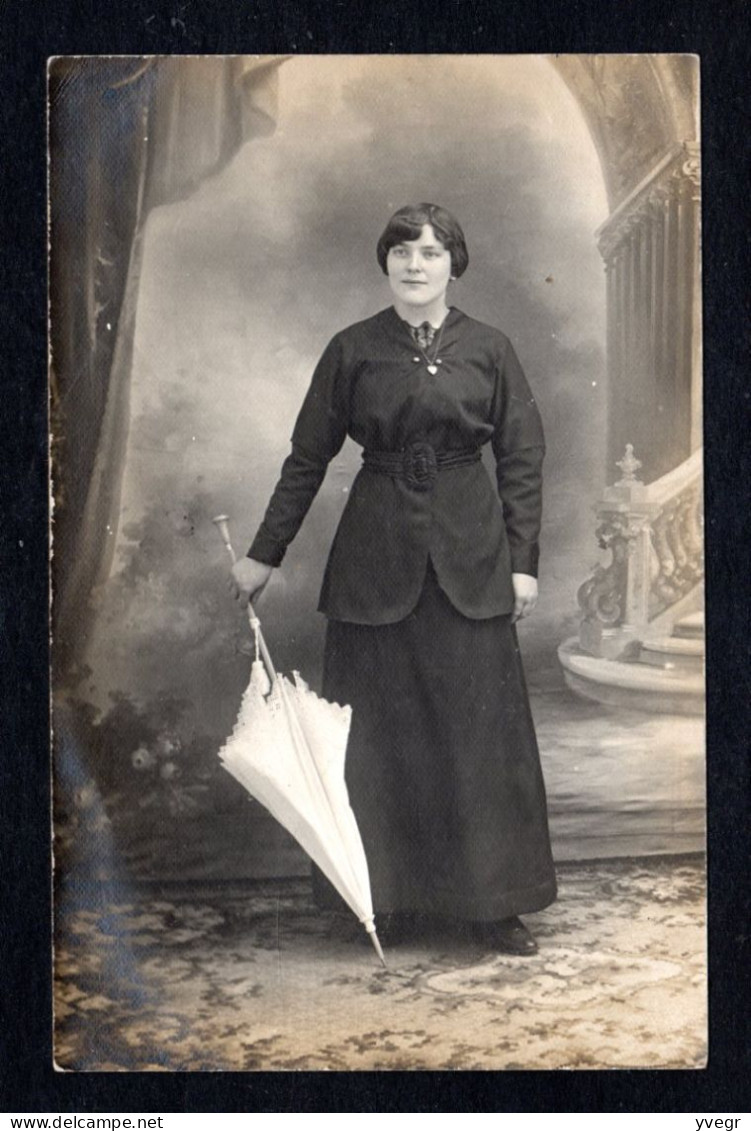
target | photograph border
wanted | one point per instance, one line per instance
(31, 1082)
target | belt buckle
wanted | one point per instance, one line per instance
(420, 466)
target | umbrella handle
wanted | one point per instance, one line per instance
(222, 524)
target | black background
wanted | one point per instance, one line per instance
(33, 31)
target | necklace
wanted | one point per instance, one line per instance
(429, 335)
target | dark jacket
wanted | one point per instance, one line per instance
(373, 385)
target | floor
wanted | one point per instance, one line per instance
(248, 978)
(620, 783)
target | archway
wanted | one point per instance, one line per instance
(642, 114)
(641, 637)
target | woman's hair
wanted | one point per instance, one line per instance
(407, 224)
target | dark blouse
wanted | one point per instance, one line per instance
(372, 383)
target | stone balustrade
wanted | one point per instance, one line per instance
(653, 537)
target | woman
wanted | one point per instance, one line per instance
(425, 578)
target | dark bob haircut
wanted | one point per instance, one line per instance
(407, 224)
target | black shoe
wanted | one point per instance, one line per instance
(507, 936)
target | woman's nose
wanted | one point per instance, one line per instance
(414, 263)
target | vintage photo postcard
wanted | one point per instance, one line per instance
(405, 350)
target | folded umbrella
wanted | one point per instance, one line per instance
(287, 749)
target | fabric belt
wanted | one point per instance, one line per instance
(419, 463)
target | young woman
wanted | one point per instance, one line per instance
(429, 569)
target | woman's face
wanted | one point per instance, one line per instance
(419, 270)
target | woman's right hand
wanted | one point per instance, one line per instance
(249, 579)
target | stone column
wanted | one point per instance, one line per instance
(691, 185)
(651, 250)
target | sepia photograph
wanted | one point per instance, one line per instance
(375, 395)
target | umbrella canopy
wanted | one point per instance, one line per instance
(287, 749)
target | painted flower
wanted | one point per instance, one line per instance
(143, 758)
(168, 745)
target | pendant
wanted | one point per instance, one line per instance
(433, 369)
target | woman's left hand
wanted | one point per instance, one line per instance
(525, 595)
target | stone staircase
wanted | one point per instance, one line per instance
(666, 675)
(681, 651)
(641, 638)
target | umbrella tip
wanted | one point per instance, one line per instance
(378, 949)
(369, 925)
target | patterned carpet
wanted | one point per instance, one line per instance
(242, 980)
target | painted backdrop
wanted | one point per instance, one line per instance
(241, 286)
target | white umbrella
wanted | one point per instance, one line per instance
(287, 749)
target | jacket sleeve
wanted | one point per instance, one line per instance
(519, 447)
(318, 435)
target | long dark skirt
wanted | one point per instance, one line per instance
(442, 765)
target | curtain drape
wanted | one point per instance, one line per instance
(125, 135)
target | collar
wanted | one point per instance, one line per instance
(397, 322)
